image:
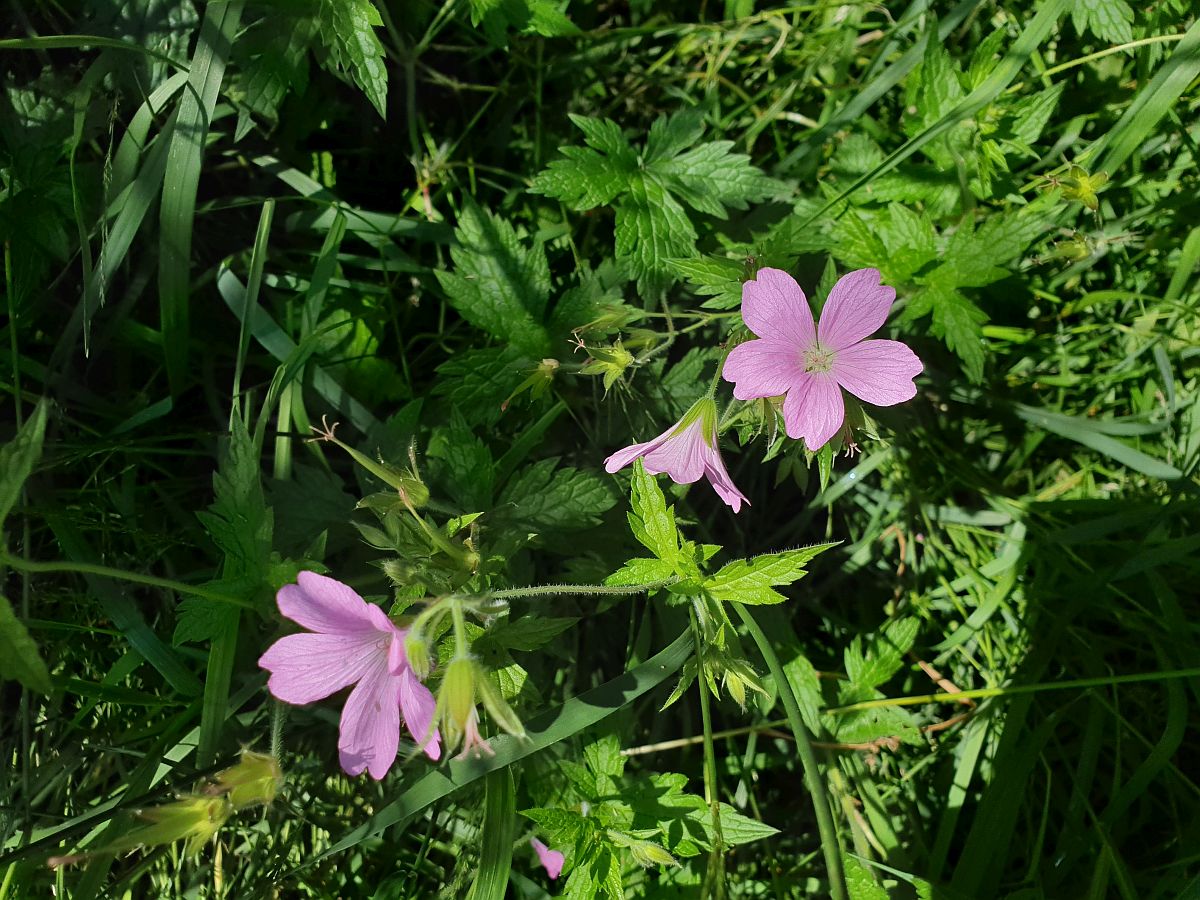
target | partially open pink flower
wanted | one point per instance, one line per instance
(811, 364)
(351, 642)
(551, 860)
(686, 451)
(474, 744)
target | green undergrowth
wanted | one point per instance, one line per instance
(497, 240)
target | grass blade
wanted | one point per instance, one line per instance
(184, 162)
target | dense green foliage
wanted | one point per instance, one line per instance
(496, 240)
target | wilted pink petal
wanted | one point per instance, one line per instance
(686, 451)
(879, 372)
(419, 706)
(811, 367)
(857, 307)
(309, 667)
(774, 306)
(370, 726)
(813, 410)
(551, 860)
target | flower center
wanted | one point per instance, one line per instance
(817, 359)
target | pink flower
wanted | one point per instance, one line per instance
(811, 364)
(551, 860)
(685, 451)
(351, 642)
(474, 744)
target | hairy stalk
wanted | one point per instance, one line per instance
(553, 590)
(279, 713)
(830, 845)
(714, 874)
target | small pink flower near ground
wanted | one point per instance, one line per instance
(686, 451)
(812, 363)
(351, 642)
(551, 860)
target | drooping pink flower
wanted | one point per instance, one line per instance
(686, 451)
(474, 744)
(551, 860)
(351, 642)
(811, 364)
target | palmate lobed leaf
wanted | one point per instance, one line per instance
(751, 581)
(650, 188)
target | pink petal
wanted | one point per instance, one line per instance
(763, 368)
(681, 456)
(309, 667)
(622, 458)
(879, 372)
(718, 477)
(551, 860)
(773, 306)
(418, 706)
(813, 410)
(370, 727)
(857, 307)
(328, 606)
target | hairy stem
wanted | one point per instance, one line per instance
(714, 875)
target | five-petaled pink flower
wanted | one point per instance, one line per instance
(685, 451)
(350, 641)
(811, 364)
(551, 860)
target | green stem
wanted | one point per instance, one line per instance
(462, 645)
(179, 587)
(279, 713)
(984, 693)
(830, 845)
(550, 590)
(714, 876)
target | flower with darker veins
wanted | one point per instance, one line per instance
(810, 363)
(351, 642)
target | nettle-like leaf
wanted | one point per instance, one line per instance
(649, 188)
(859, 882)
(1109, 20)
(347, 30)
(548, 497)
(867, 667)
(884, 653)
(17, 459)
(466, 468)
(241, 525)
(497, 17)
(19, 656)
(498, 284)
(476, 382)
(752, 581)
(272, 57)
(975, 258)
